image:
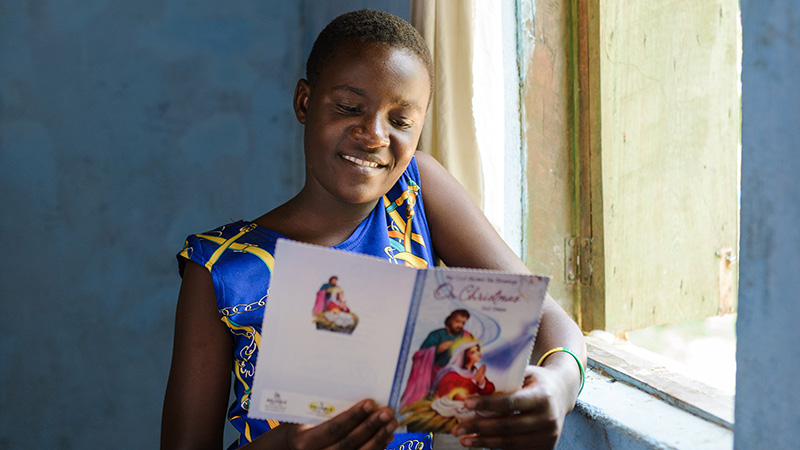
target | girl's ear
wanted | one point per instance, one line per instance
(301, 94)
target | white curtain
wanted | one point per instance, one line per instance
(449, 133)
(473, 124)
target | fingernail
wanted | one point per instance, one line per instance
(368, 406)
(385, 416)
(459, 431)
(391, 427)
(470, 403)
(468, 442)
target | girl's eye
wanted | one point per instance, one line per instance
(401, 124)
(347, 109)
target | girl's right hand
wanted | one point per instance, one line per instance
(360, 427)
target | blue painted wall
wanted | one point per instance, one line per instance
(125, 126)
(768, 333)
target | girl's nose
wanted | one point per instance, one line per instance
(372, 132)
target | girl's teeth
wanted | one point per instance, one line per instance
(360, 162)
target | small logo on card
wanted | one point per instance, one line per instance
(276, 403)
(321, 408)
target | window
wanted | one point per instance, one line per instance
(631, 158)
(633, 119)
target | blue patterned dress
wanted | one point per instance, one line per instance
(239, 257)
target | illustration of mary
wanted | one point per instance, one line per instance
(462, 377)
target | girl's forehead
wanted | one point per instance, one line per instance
(360, 61)
(377, 55)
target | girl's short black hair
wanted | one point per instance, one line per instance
(366, 26)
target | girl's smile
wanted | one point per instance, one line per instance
(361, 162)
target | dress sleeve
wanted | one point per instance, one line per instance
(193, 251)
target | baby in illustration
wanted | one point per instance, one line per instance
(330, 311)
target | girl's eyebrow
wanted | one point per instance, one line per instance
(362, 93)
(406, 104)
(353, 89)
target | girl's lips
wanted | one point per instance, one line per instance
(361, 162)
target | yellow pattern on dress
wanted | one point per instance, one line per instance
(401, 228)
(243, 365)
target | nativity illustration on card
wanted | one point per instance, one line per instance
(445, 370)
(330, 312)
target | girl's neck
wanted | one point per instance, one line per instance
(315, 219)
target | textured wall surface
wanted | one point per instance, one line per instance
(767, 330)
(125, 126)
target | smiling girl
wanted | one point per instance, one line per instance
(362, 104)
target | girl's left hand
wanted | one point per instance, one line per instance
(530, 418)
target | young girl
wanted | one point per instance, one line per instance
(363, 102)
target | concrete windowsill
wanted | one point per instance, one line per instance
(659, 409)
(614, 415)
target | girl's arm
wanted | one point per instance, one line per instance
(463, 237)
(199, 379)
(199, 387)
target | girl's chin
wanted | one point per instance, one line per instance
(359, 194)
